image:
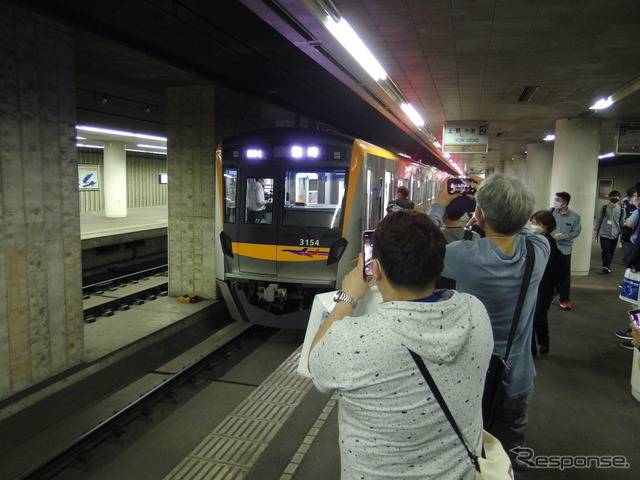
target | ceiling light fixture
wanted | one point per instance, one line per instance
(86, 145)
(144, 145)
(144, 151)
(602, 104)
(109, 131)
(549, 138)
(631, 87)
(413, 115)
(350, 40)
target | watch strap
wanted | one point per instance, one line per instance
(343, 297)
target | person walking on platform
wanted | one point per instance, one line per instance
(609, 223)
(493, 269)
(629, 206)
(390, 424)
(543, 223)
(567, 230)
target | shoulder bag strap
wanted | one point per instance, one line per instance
(443, 405)
(530, 259)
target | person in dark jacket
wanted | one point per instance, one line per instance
(401, 201)
(543, 223)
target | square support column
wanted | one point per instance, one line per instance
(41, 319)
(191, 167)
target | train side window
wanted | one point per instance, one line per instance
(313, 198)
(259, 201)
(230, 194)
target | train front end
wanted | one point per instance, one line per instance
(279, 222)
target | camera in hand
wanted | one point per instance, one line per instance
(460, 185)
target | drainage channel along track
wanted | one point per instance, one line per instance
(170, 383)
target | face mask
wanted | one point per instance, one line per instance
(557, 205)
(614, 200)
(537, 229)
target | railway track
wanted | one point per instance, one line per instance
(106, 298)
(185, 372)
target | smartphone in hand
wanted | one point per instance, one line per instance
(367, 253)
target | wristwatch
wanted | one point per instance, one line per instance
(343, 297)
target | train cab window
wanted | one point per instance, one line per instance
(230, 194)
(313, 198)
(259, 201)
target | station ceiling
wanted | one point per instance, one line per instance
(454, 60)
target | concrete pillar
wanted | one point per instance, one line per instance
(114, 180)
(539, 163)
(41, 320)
(575, 170)
(509, 168)
(519, 166)
(190, 158)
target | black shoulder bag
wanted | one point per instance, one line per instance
(499, 368)
(494, 463)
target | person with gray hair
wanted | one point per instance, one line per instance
(492, 269)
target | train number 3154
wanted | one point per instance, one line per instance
(309, 242)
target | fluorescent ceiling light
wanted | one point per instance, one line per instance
(602, 104)
(549, 138)
(356, 47)
(144, 145)
(412, 114)
(623, 92)
(119, 132)
(86, 145)
(606, 155)
(145, 151)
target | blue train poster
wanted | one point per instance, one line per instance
(88, 178)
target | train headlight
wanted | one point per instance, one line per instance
(313, 152)
(296, 152)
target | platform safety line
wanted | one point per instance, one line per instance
(235, 445)
(296, 460)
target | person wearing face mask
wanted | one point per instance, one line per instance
(492, 268)
(568, 228)
(543, 223)
(628, 206)
(609, 223)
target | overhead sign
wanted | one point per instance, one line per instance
(465, 138)
(628, 139)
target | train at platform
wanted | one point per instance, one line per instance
(318, 191)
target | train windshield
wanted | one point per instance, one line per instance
(313, 198)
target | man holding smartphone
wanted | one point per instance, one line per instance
(390, 425)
